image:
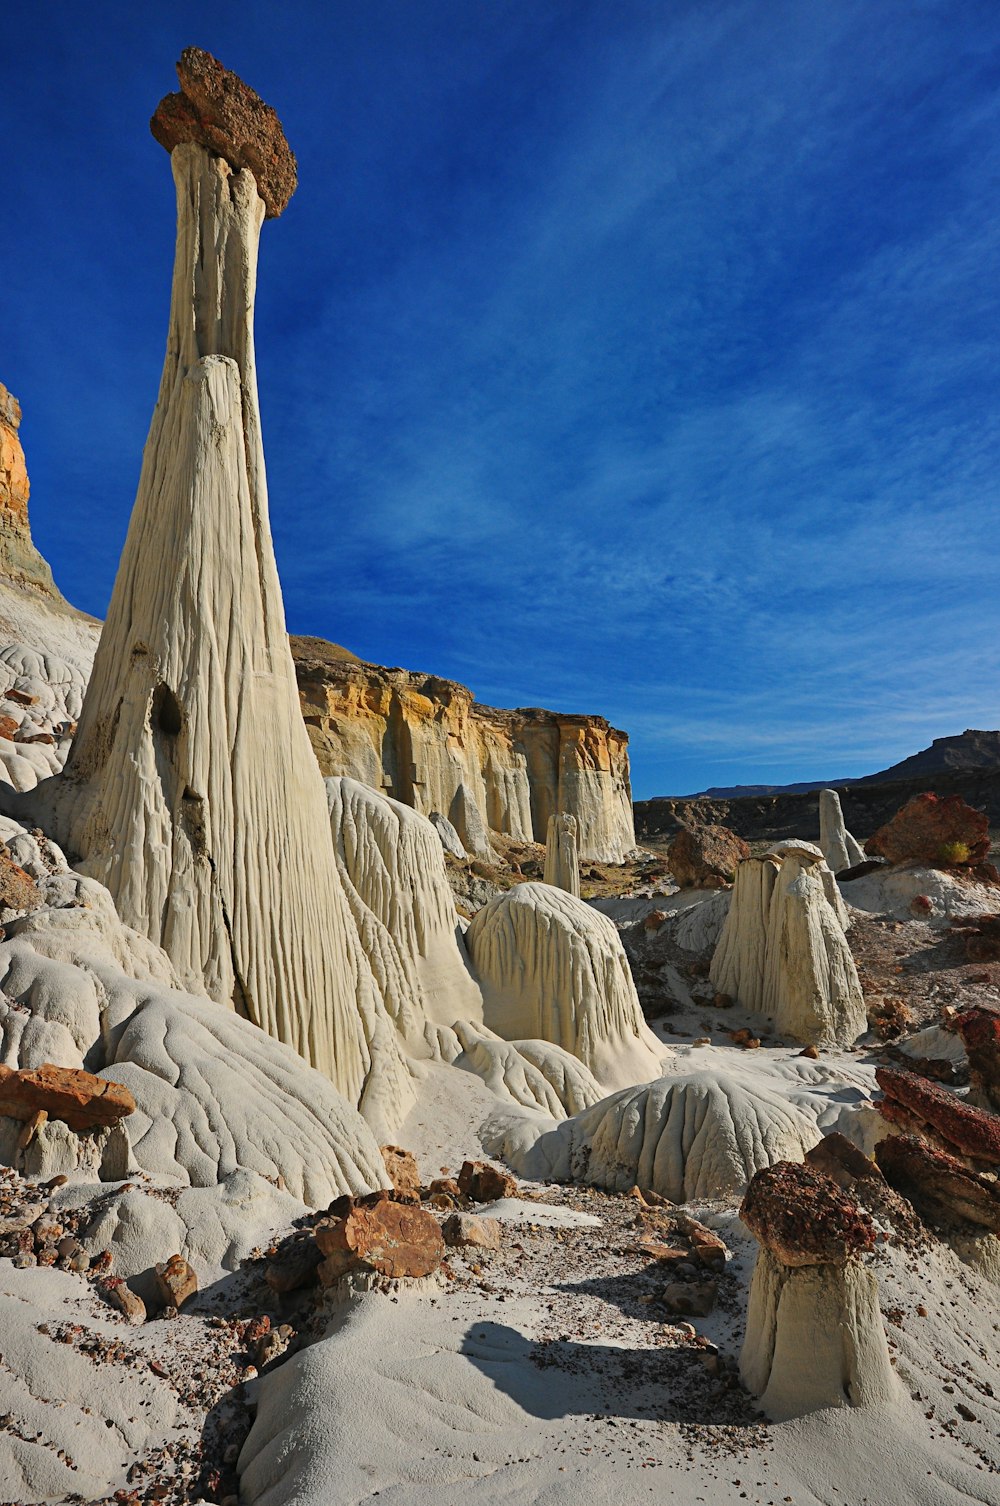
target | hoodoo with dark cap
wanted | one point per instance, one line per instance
(192, 791)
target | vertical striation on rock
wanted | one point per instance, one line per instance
(562, 861)
(551, 968)
(814, 1334)
(192, 791)
(783, 951)
(421, 738)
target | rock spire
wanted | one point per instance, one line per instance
(192, 791)
(562, 861)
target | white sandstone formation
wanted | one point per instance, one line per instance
(392, 867)
(531, 1074)
(192, 791)
(811, 986)
(234, 1119)
(783, 952)
(468, 821)
(815, 1338)
(739, 961)
(553, 969)
(694, 1135)
(562, 860)
(839, 848)
(448, 836)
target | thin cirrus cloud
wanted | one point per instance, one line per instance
(632, 359)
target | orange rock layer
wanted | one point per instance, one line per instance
(420, 739)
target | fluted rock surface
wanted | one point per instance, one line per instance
(192, 792)
(552, 968)
(422, 739)
(562, 857)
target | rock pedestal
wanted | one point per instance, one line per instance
(814, 1335)
(562, 862)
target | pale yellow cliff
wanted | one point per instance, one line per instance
(429, 743)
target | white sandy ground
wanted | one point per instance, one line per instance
(436, 1396)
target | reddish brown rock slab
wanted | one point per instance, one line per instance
(467, 1229)
(944, 1192)
(8, 728)
(804, 1218)
(701, 857)
(972, 1132)
(941, 832)
(176, 1282)
(217, 110)
(393, 1239)
(484, 1183)
(18, 891)
(840, 1159)
(78, 1098)
(404, 1173)
(980, 1032)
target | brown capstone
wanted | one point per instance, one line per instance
(804, 1218)
(217, 110)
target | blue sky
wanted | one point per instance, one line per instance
(627, 357)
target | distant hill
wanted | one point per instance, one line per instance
(971, 749)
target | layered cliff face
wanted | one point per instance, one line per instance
(20, 561)
(428, 743)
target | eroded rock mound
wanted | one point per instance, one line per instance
(700, 1135)
(218, 111)
(553, 969)
(940, 832)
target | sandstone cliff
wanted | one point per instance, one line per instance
(424, 741)
(20, 561)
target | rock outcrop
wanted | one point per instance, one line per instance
(783, 952)
(20, 561)
(814, 1335)
(392, 868)
(562, 855)
(191, 791)
(979, 1030)
(421, 739)
(840, 850)
(938, 832)
(554, 969)
(944, 1192)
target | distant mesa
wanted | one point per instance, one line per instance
(217, 110)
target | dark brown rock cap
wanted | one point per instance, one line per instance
(804, 1218)
(218, 111)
